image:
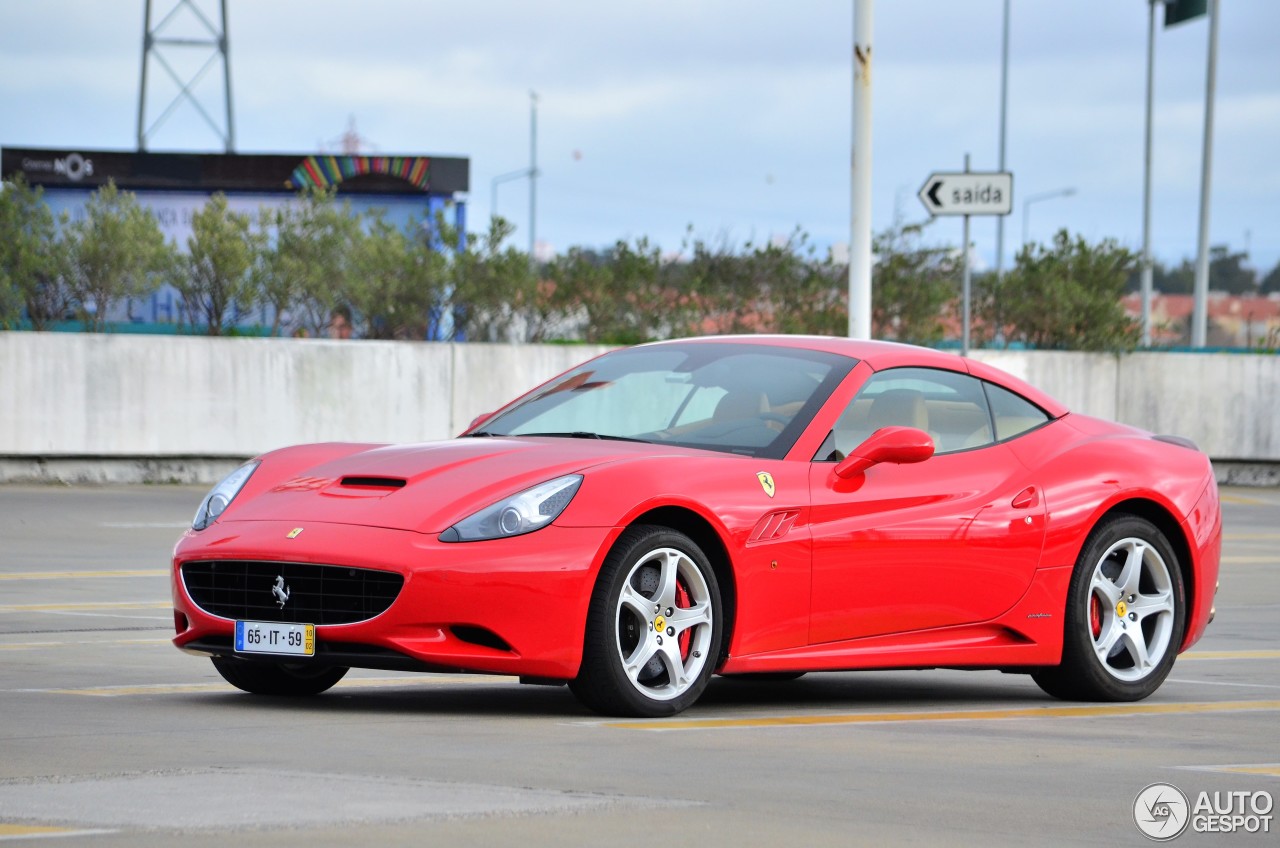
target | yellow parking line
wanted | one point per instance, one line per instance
(1250, 537)
(86, 606)
(36, 646)
(1241, 560)
(1243, 500)
(1090, 711)
(67, 575)
(1231, 655)
(350, 683)
(1270, 770)
(27, 831)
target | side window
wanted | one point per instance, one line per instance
(1013, 414)
(949, 406)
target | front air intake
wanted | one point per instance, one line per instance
(298, 593)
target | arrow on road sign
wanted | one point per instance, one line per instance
(972, 193)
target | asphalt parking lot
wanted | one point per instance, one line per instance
(111, 737)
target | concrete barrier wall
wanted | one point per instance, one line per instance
(64, 394)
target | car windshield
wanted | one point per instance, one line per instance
(747, 399)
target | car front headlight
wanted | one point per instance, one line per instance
(521, 513)
(222, 495)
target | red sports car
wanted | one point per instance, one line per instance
(739, 506)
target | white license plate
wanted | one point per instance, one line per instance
(266, 637)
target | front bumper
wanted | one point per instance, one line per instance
(507, 606)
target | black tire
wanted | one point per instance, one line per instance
(671, 662)
(267, 678)
(1122, 630)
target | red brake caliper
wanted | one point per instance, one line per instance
(683, 602)
(1095, 616)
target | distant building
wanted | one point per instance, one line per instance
(1234, 320)
(176, 185)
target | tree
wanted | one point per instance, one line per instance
(306, 271)
(29, 273)
(397, 278)
(1227, 272)
(487, 282)
(912, 286)
(222, 251)
(116, 251)
(1064, 296)
(1271, 282)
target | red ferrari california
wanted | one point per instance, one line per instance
(738, 506)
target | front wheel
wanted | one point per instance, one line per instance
(1126, 610)
(266, 678)
(653, 628)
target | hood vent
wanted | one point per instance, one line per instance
(373, 482)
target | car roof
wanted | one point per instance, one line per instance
(881, 355)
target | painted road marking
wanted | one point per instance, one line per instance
(349, 683)
(67, 575)
(1250, 537)
(86, 607)
(1230, 655)
(1222, 683)
(1092, 711)
(1268, 769)
(36, 646)
(26, 831)
(1249, 560)
(1245, 501)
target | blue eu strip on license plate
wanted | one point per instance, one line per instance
(270, 637)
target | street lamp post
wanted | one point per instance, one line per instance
(504, 178)
(1035, 198)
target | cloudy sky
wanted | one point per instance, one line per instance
(728, 116)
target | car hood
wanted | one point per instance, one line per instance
(425, 487)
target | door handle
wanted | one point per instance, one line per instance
(1026, 499)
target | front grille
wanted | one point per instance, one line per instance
(316, 594)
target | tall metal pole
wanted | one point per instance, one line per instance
(1146, 176)
(1004, 108)
(860, 220)
(1200, 315)
(225, 46)
(533, 172)
(142, 91)
(967, 288)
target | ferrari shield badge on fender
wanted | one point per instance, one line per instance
(766, 482)
(294, 533)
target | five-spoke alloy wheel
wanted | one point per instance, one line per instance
(1125, 615)
(654, 627)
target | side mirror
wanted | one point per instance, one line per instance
(475, 422)
(899, 445)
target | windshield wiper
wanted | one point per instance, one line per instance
(585, 434)
(480, 434)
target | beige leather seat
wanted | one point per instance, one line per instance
(737, 405)
(898, 408)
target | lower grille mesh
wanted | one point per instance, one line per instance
(312, 594)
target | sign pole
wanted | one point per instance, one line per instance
(964, 343)
(1146, 286)
(860, 212)
(1200, 299)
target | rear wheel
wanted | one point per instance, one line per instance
(1126, 610)
(654, 626)
(264, 678)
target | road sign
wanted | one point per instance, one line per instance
(974, 193)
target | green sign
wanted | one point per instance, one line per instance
(1177, 11)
